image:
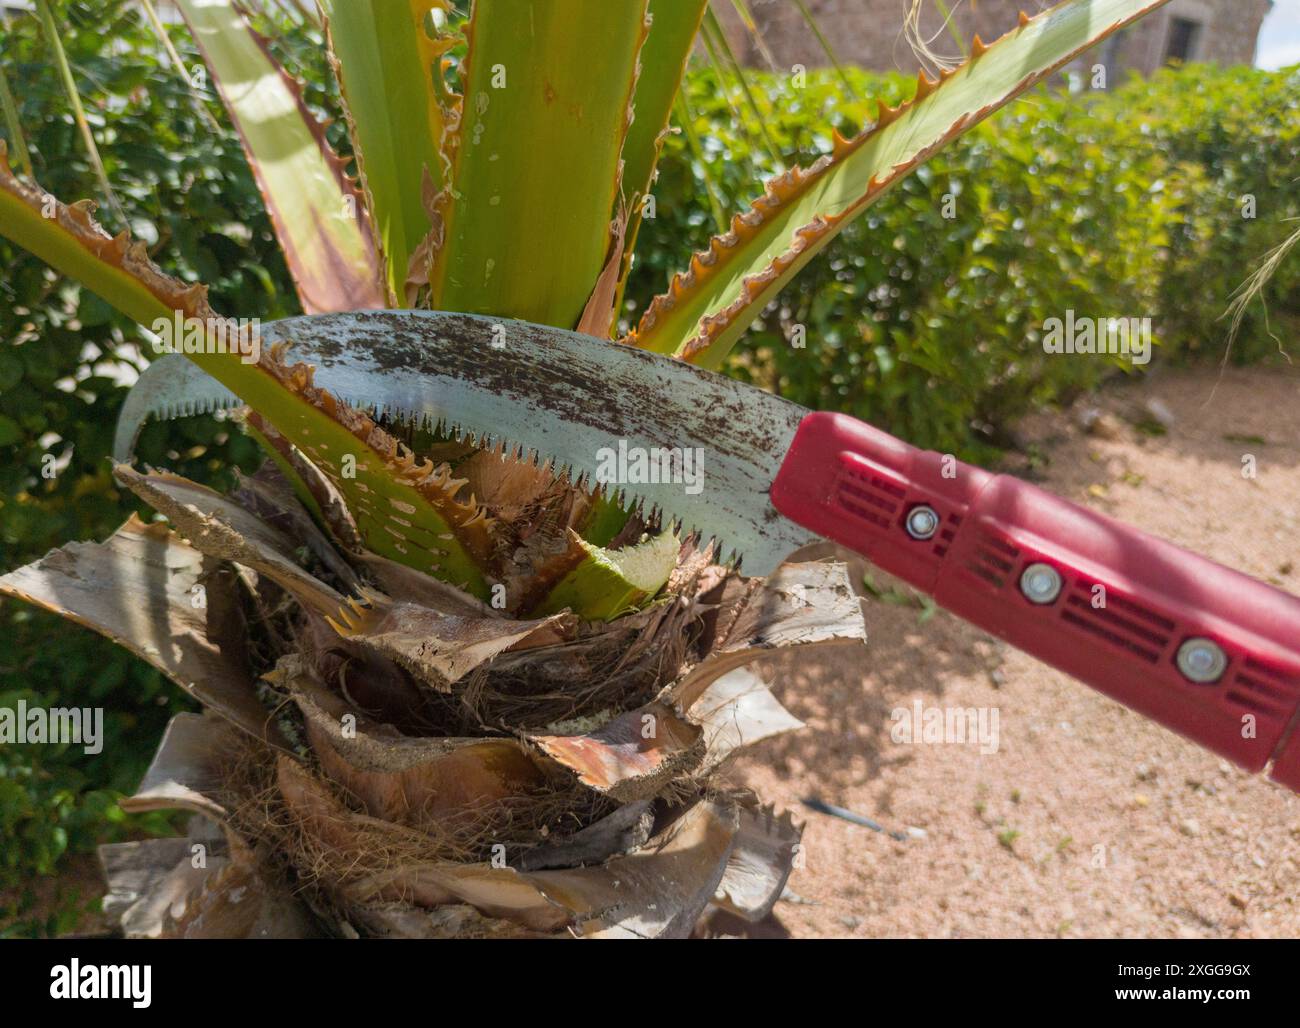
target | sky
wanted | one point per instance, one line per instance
(1279, 39)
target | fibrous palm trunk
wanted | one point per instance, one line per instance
(383, 754)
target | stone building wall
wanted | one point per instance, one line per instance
(869, 32)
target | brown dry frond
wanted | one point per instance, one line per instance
(407, 746)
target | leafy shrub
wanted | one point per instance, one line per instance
(1233, 136)
(1112, 204)
(189, 195)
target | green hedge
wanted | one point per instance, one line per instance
(1117, 203)
(1121, 203)
(190, 195)
(1228, 136)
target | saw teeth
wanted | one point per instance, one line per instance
(623, 496)
(193, 408)
(721, 553)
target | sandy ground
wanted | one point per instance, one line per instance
(1088, 820)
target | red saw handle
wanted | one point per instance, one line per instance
(1204, 650)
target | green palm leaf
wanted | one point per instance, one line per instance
(708, 307)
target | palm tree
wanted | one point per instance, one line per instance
(447, 691)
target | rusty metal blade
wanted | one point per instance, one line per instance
(659, 435)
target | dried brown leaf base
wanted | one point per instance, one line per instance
(384, 755)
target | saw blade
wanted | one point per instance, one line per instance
(660, 436)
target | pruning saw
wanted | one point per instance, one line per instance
(1207, 651)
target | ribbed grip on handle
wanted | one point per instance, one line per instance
(1127, 613)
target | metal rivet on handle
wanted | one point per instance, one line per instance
(1041, 583)
(922, 522)
(1202, 661)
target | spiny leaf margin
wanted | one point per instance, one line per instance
(119, 270)
(317, 211)
(709, 306)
